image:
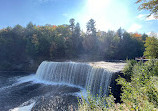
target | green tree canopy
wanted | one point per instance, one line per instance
(150, 5)
(151, 49)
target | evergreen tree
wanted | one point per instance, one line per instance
(91, 28)
(72, 25)
(120, 33)
(144, 36)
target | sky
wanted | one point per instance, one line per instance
(108, 14)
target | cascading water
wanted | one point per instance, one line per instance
(94, 79)
(56, 85)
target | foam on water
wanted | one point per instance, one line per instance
(32, 78)
(30, 81)
(26, 106)
(12, 85)
(66, 75)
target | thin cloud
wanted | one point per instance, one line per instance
(150, 18)
(134, 27)
(44, 1)
(145, 18)
(152, 34)
(141, 16)
(66, 15)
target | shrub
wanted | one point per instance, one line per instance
(139, 94)
(128, 70)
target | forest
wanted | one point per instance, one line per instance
(24, 48)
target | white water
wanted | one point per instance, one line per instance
(94, 79)
(68, 79)
(27, 106)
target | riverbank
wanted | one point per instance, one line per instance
(31, 65)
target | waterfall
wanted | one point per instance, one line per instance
(96, 80)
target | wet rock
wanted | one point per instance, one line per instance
(56, 103)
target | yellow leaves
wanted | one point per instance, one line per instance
(151, 49)
(35, 39)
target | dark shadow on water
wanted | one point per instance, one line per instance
(47, 97)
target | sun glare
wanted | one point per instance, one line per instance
(96, 9)
(95, 6)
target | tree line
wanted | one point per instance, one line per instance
(22, 46)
